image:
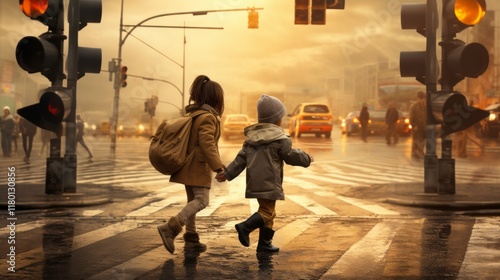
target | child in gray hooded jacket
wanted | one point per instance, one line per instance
(264, 152)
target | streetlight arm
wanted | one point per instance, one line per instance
(195, 13)
(154, 79)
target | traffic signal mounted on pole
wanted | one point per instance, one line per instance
(459, 60)
(302, 11)
(44, 53)
(412, 63)
(123, 76)
(253, 19)
(318, 12)
(53, 108)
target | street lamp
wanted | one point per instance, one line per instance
(119, 60)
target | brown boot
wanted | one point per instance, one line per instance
(192, 242)
(168, 231)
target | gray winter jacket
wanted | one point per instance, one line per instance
(265, 149)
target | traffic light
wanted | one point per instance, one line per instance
(53, 108)
(454, 114)
(147, 106)
(253, 19)
(44, 53)
(335, 4)
(88, 11)
(123, 76)
(318, 12)
(460, 60)
(412, 63)
(301, 11)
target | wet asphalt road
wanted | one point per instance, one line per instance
(321, 234)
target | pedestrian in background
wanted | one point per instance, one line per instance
(80, 130)
(364, 118)
(7, 127)
(28, 131)
(264, 152)
(391, 120)
(418, 123)
(207, 104)
(15, 132)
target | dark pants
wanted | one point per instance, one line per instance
(391, 134)
(27, 144)
(6, 144)
(364, 131)
(418, 143)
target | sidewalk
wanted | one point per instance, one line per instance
(32, 196)
(466, 198)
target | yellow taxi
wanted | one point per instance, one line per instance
(311, 118)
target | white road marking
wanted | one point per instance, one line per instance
(311, 205)
(366, 263)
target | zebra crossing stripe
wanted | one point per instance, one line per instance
(289, 232)
(154, 206)
(311, 205)
(301, 183)
(373, 208)
(366, 263)
(481, 258)
(213, 205)
(329, 180)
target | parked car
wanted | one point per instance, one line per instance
(490, 126)
(128, 130)
(350, 125)
(233, 125)
(312, 118)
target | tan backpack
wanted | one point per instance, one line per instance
(168, 148)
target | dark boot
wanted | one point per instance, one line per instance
(168, 231)
(265, 238)
(244, 229)
(192, 242)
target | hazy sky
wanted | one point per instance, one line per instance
(276, 56)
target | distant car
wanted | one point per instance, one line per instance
(350, 125)
(378, 126)
(128, 130)
(490, 126)
(311, 118)
(233, 125)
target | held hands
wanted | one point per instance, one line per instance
(220, 176)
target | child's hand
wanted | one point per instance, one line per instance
(220, 177)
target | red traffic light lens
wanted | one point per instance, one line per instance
(54, 106)
(34, 8)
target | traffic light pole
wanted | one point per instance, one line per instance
(70, 158)
(431, 165)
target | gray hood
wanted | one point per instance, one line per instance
(263, 133)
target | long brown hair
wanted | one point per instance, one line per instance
(205, 91)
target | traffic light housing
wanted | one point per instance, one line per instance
(123, 76)
(253, 19)
(460, 60)
(302, 11)
(51, 111)
(452, 111)
(412, 63)
(318, 12)
(44, 53)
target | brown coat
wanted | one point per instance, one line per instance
(203, 149)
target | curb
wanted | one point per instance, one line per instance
(460, 205)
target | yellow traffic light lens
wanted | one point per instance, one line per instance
(469, 12)
(34, 8)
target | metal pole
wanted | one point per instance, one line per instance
(183, 71)
(117, 84)
(430, 161)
